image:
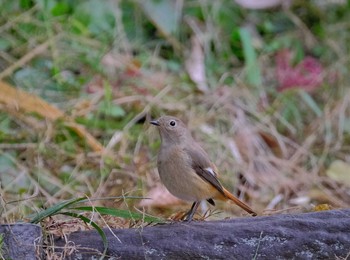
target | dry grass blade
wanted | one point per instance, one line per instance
(20, 100)
(15, 99)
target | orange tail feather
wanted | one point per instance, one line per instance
(238, 202)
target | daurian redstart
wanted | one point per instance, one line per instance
(185, 168)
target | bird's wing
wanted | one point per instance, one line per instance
(203, 167)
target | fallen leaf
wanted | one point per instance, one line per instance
(339, 171)
(159, 197)
(165, 16)
(307, 75)
(195, 65)
(272, 142)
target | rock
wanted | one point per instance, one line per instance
(318, 235)
(20, 241)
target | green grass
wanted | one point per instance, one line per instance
(2, 245)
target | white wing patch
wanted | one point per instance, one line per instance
(211, 171)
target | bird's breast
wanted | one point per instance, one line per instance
(178, 176)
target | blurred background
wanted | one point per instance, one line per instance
(263, 86)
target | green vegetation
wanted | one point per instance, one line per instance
(2, 245)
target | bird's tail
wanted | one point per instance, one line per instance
(238, 202)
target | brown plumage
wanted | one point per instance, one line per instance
(185, 168)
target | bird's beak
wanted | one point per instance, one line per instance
(155, 122)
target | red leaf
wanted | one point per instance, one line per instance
(307, 75)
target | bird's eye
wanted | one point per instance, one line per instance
(172, 123)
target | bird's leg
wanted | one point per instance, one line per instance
(190, 213)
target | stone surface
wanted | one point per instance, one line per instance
(20, 241)
(319, 235)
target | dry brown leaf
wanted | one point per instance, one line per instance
(160, 197)
(17, 100)
(272, 142)
(195, 65)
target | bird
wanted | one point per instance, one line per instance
(186, 170)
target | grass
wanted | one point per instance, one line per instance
(2, 245)
(111, 68)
